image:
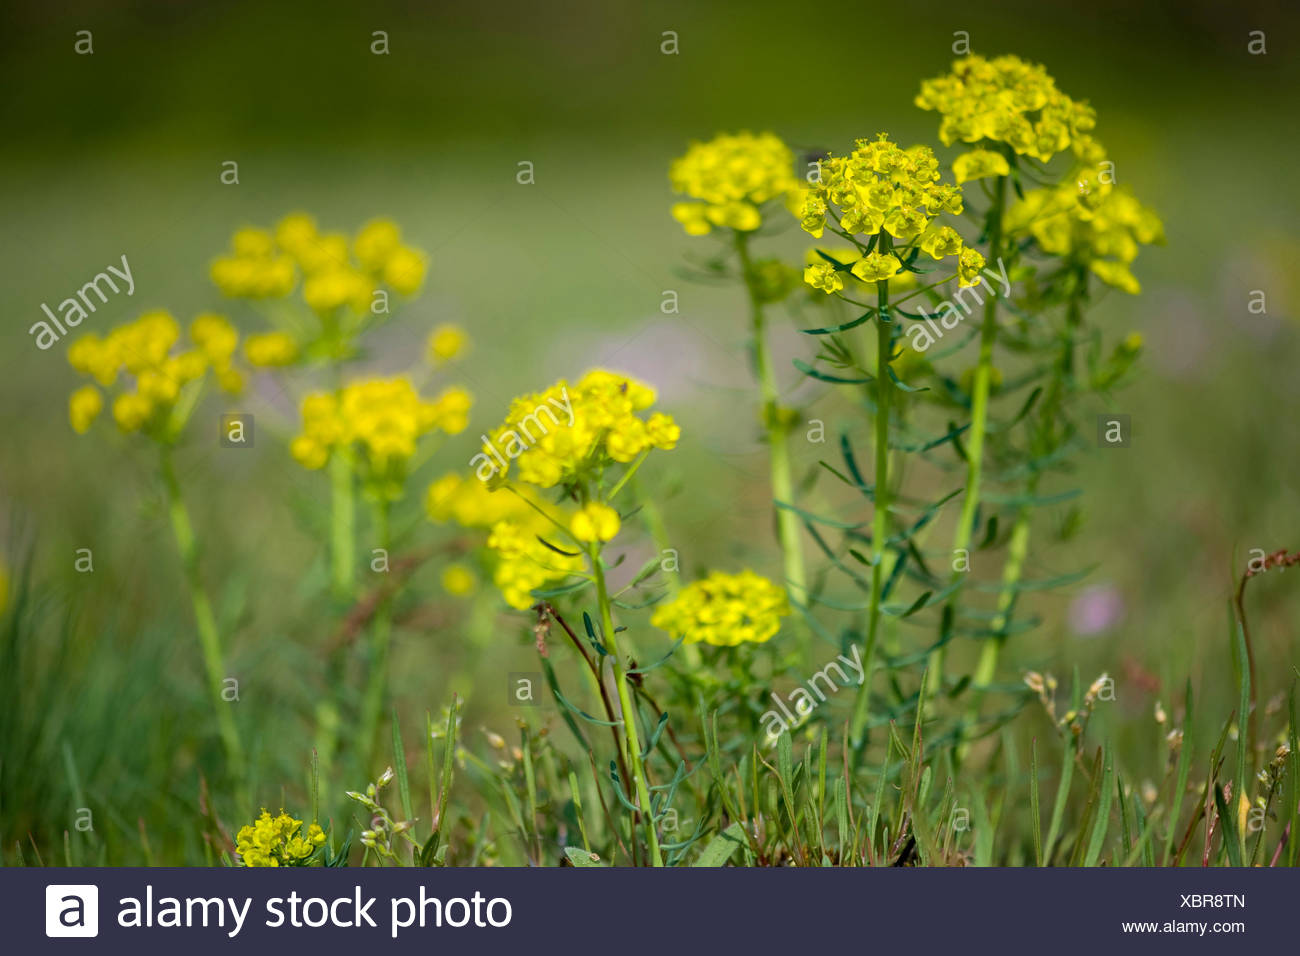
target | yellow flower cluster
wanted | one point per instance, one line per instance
(522, 562)
(1006, 100)
(446, 342)
(848, 256)
(1092, 223)
(256, 268)
(265, 263)
(141, 353)
(556, 435)
(270, 349)
(725, 609)
(731, 177)
(384, 418)
(277, 841)
(881, 187)
(471, 503)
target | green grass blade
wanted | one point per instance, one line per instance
(1035, 821)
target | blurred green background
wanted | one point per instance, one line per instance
(121, 152)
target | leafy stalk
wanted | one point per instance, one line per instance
(209, 638)
(979, 414)
(880, 503)
(776, 426)
(630, 737)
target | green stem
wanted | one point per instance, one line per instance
(1018, 545)
(777, 429)
(630, 735)
(880, 507)
(654, 522)
(342, 524)
(209, 639)
(380, 639)
(979, 422)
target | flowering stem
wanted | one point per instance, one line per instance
(209, 639)
(380, 638)
(979, 423)
(880, 507)
(777, 430)
(630, 736)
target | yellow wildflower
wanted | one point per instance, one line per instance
(1101, 228)
(979, 164)
(84, 407)
(731, 176)
(270, 349)
(458, 580)
(130, 411)
(875, 267)
(404, 271)
(595, 522)
(277, 841)
(557, 435)
(329, 288)
(725, 609)
(969, 265)
(447, 342)
(215, 337)
(376, 242)
(382, 418)
(1007, 100)
(822, 275)
(880, 189)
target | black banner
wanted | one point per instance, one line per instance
(630, 911)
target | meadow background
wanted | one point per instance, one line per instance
(121, 152)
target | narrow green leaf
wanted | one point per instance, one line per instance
(399, 765)
(720, 848)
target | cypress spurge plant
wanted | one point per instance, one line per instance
(1054, 238)
(1076, 236)
(345, 285)
(1008, 111)
(590, 461)
(378, 424)
(886, 201)
(734, 182)
(158, 389)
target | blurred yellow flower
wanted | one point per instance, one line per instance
(731, 176)
(404, 271)
(1099, 226)
(376, 242)
(140, 354)
(447, 342)
(382, 418)
(130, 410)
(458, 580)
(1007, 100)
(329, 288)
(595, 522)
(979, 164)
(725, 609)
(270, 349)
(84, 407)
